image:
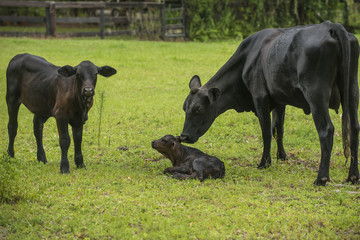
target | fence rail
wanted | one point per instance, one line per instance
(50, 19)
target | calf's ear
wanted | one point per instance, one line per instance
(106, 71)
(176, 142)
(195, 83)
(67, 70)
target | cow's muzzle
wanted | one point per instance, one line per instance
(186, 138)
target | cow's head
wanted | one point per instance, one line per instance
(200, 110)
(85, 78)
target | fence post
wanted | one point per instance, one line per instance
(52, 19)
(162, 20)
(102, 23)
(47, 20)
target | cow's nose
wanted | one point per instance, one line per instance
(184, 137)
(88, 91)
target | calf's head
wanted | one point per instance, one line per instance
(166, 145)
(200, 110)
(85, 76)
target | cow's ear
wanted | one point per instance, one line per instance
(195, 83)
(106, 71)
(67, 71)
(214, 94)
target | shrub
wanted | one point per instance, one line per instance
(211, 19)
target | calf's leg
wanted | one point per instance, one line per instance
(179, 169)
(38, 132)
(182, 176)
(64, 140)
(13, 110)
(77, 136)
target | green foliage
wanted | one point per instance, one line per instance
(209, 20)
(123, 192)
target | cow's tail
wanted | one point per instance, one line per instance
(339, 33)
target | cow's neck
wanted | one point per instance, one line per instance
(226, 81)
(234, 94)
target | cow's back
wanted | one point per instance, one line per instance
(296, 56)
(33, 81)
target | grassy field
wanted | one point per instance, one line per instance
(124, 195)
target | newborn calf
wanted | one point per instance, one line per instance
(188, 162)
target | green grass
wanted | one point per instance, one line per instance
(123, 193)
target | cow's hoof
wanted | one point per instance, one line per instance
(166, 171)
(353, 179)
(81, 165)
(282, 156)
(178, 176)
(11, 153)
(64, 170)
(42, 159)
(264, 164)
(321, 181)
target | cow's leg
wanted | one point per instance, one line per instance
(13, 110)
(77, 136)
(353, 110)
(278, 130)
(325, 129)
(263, 113)
(38, 132)
(64, 141)
(354, 143)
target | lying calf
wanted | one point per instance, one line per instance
(188, 162)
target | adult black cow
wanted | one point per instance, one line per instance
(310, 67)
(65, 93)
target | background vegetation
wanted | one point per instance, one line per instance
(123, 193)
(211, 19)
(228, 19)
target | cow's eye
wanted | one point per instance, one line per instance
(164, 141)
(196, 110)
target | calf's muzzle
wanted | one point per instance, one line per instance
(88, 92)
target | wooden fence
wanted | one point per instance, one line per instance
(51, 20)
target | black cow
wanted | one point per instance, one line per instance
(188, 162)
(310, 67)
(65, 93)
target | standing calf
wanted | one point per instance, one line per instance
(188, 162)
(65, 93)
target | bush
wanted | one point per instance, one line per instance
(212, 20)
